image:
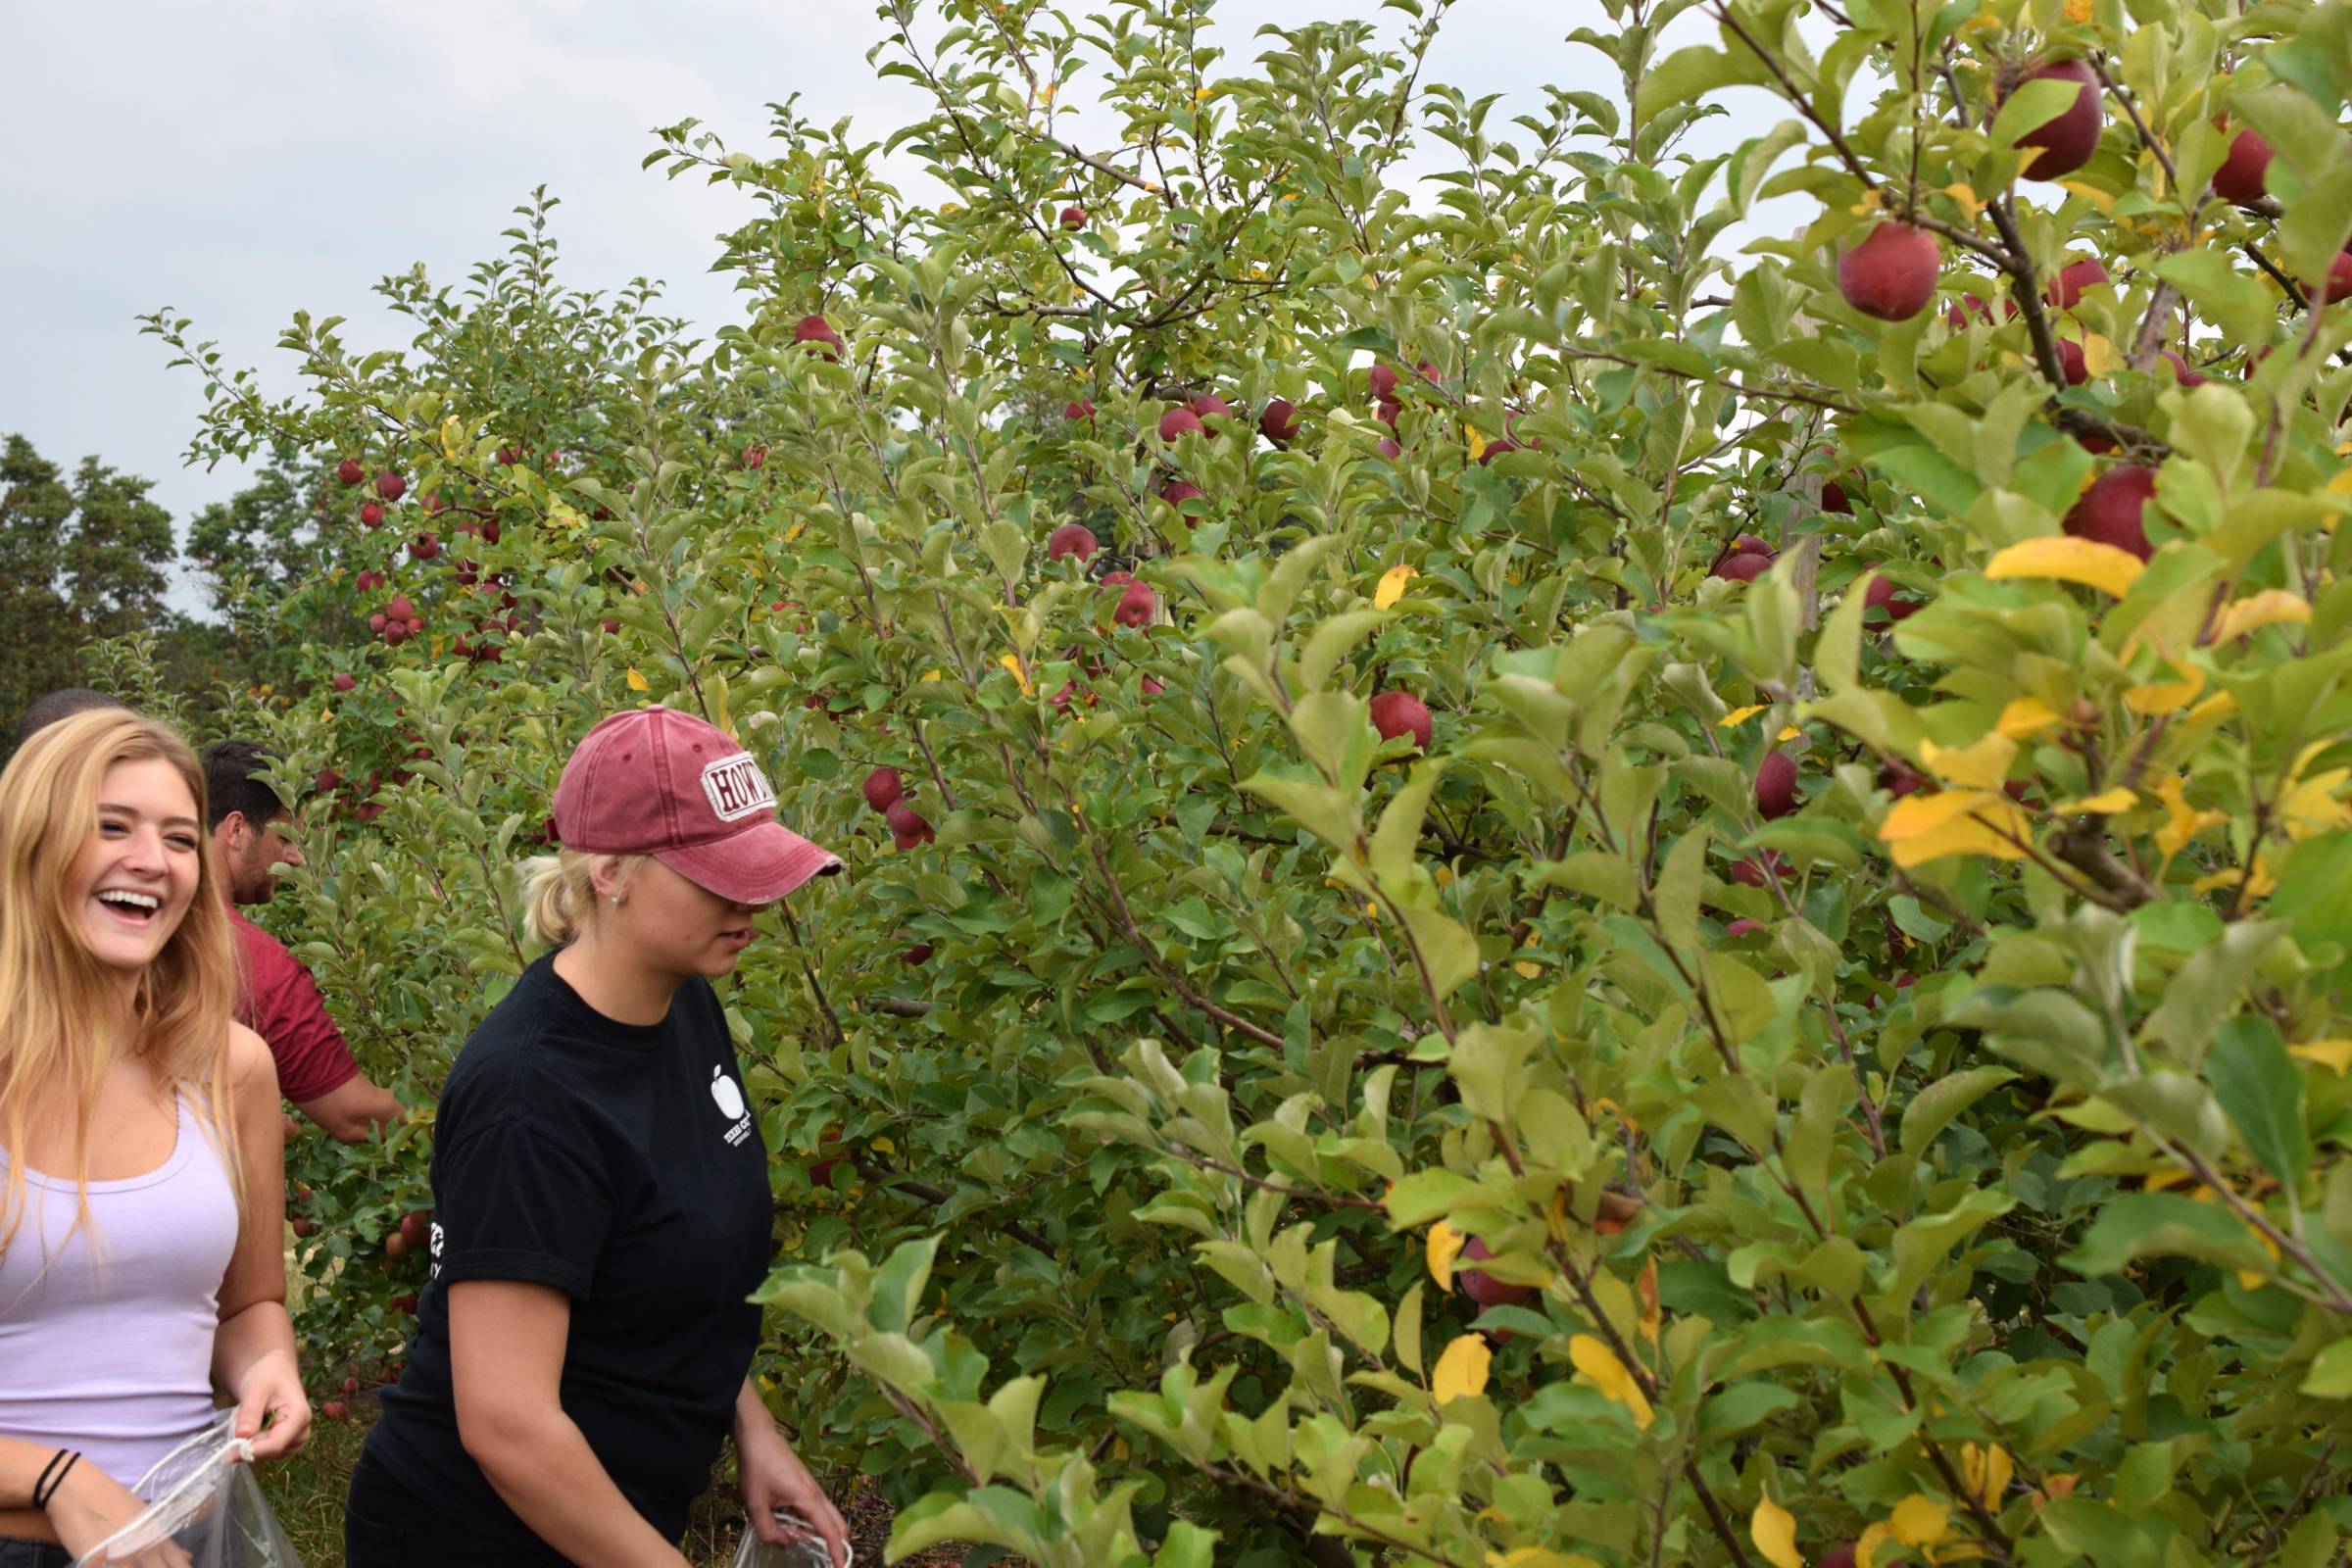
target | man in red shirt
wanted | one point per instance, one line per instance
(277, 998)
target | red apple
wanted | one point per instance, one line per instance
(1389, 450)
(754, 457)
(1389, 413)
(404, 1304)
(1483, 1287)
(334, 1409)
(1208, 405)
(425, 546)
(1383, 382)
(1834, 497)
(919, 954)
(1775, 785)
(908, 827)
(816, 330)
(2071, 363)
(1757, 870)
(1746, 566)
(1151, 686)
(2181, 373)
(343, 680)
(396, 1245)
(391, 486)
(304, 1225)
(1073, 219)
(1137, 606)
(2336, 284)
(2065, 143)
(1070, 539)
(2110, 510)
(1744, 928)
(1176, 492)
(1279, 423)
(399, 609)
(370, 514)
(1839, 1558)
(2242, 176)
(1899, 778)
(1881, 596)
(1178, 421)
(1079, 410)
(2066, 289)
(378, 620)
(1400, 713)
(349, 472)
(1890, 274)
(415, 1226)
(883, 788)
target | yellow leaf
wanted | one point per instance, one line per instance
(2025, 716)
(928, 675)
(882, 1146)
(2182, 825)
(1462, 1370)
(1740, 716)
(1966, 196)
(2077, 12)
(1773, 1529)
(1792, 733)
(2108, 803)
(1924, 828)
(2261, 885)
(2335, 1055)
(2167, 697)
(1392, 586)
(2273, 606)
(1445, 1245)
(1527, 970)
(1920, 1521)
(2059, 557)
(637, 682)
(796, 530)
(1478, 443)
(2311, 807)
(1866, 1551)
(2099, 357)
(1987, 1470)
(1982, 765)
(1013, 662)
(1539, 1557)
(1598, 1365)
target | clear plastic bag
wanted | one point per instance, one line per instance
(806, 1548)
(205, 1510)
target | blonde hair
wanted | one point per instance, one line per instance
(558, 893)
(61, 1018)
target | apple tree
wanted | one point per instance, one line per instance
(1543, 871)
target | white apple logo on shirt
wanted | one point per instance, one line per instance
(723, 1090)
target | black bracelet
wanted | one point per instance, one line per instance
(46, 1487)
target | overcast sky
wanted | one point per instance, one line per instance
(239, 162)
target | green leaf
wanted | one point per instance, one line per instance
(1935, 1106)
(2330, 1375)
(2261, 1089)
(2161, 1225)
(1676, 896)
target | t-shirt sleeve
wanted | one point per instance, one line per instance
(290, 1015)
(512, 1202)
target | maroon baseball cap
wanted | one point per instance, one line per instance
(659, 782)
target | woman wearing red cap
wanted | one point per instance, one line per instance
(601, 1207)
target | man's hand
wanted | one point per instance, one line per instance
(272, 1387)
(774, 1478)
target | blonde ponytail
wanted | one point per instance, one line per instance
(558, 893)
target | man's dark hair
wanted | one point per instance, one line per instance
(232, 784)
(65, 703)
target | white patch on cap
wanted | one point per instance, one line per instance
(737, 788)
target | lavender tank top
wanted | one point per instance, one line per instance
(106, 1343)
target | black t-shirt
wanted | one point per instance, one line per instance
(619, 1164)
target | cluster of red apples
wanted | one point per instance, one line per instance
(886, 792)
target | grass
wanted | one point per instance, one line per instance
(307, 1489)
